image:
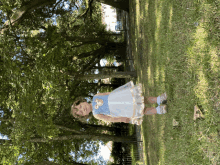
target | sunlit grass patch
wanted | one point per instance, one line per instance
(157, 74)
(150, 81)
(161, 80)
(201, 90)
(215, 61)
(158, 20)
(146, 8)
(170, 19)
(204, 62)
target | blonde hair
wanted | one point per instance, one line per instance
(79, 117)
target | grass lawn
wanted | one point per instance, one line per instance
(176, 46)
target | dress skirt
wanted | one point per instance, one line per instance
(127, 101)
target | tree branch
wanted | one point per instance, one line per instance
(56, 5)
(68, 129)
(18, 14)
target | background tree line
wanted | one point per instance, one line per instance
(48, 53)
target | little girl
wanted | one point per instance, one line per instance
(124, 104)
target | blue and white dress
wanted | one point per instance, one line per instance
(125, 101)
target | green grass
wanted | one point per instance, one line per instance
(176, 46)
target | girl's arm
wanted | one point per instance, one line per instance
(112, 119)
(99, 94)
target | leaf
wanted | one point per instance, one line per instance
(175, 123)
(197, 113)
(50, 137)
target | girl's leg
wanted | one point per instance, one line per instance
(150, 100)
(158, 100)
(150, 111)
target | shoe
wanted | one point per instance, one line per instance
(163, 98)
(163, 109)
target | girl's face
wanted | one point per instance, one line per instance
(83, 109)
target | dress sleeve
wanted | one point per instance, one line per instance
(101, 94)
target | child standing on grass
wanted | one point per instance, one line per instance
(124, 104)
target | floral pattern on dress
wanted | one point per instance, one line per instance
(99, 103)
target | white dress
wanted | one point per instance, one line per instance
(126, 101)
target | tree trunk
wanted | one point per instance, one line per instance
(68, 129)
(101, 39)
(111, 34)
(116, 34)
(115, 45)
(88, 128)
(87, 40)
(99, 127)
(120, 4)
(103, 70)
(129, 74)
(92, 62)
(103, 85)
(95, 137)
(109, 85)
(94, 53)
(105, 67)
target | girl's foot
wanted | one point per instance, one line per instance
(150, 111)
(162, 109)
(163, 98)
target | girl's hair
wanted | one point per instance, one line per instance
(79, 117)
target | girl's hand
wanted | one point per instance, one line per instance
(137, 121)
(127, 120)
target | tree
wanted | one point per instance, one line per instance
(129, 74)
(38, 58)
(102, 137)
